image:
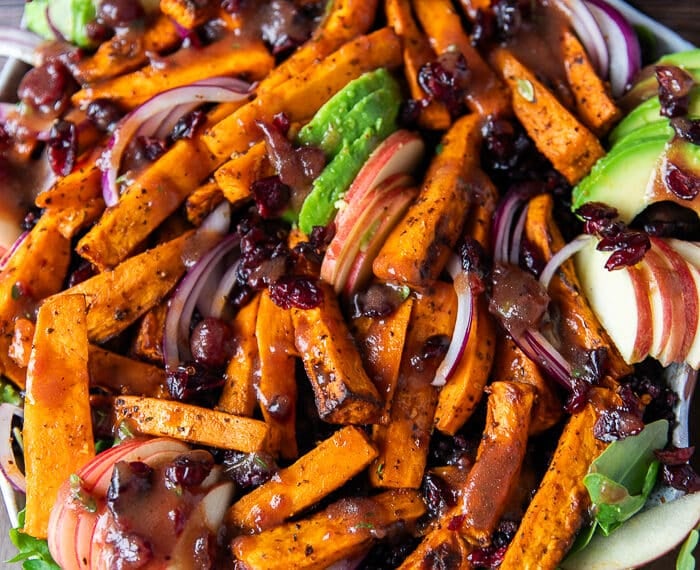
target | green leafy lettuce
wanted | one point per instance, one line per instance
(33, 552)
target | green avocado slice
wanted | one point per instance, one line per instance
(653, 130)
(70, 17)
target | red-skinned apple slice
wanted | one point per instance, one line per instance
(689, 291)
(667, 310)
(619, 299)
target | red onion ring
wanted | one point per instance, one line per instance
(589, 33)
(20, 44)
(561, 256)
(12, 249)
(7, 456)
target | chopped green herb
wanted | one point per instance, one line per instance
(80, 495)
(526, 90)
(260, 461)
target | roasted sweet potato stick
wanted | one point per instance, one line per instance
(329, 465)
(440, 548)
(148, 343)
(594, 105)
(73, 190)
(571, 147)
(235, 176)
(343, 392)
(188, 14)
(418, 247)
(153, 416)
(229, 56)
(344, 530)
(57, 431)
(202, 201)
(122, 375)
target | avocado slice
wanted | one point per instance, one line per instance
(685, 59)
(331, 116)
(650, 131)
(649, 112)
(69, 17)
(648, 87)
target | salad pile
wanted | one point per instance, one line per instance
(348, 284)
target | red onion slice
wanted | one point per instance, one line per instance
(539, 349)
(228, 280)
(589, 33)
(130, 125)
(561, 256)
(622, 42)
(517, 237)
(20, 44)
(503, 224)
(218, 222)
(12, 249)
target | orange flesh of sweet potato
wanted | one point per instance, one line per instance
(187, 13)
(440, 548)
(117, 297)
(121, 54)
(416, 53)
(148, 343)
(277, 388)
(559, 506)
(418, 247)
(36, 270)
(343, 392)
(123, 375)
(21, 346)
(243, 370)
(571, 147)
(229, 56)
(235, 176)
(501, 451)
(81, 185)
(72, 219)
(202, 201)
(342, 531)
(403, 442)
(328, 466)
(594, 106)
(579, 325)
(57, 429)
(381, 342)
(486, 94)
(202, 426)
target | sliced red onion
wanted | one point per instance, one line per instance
(221, 91)
(218, 222)
(8, 254)
(58, 35)
(228, 280)
(622, 42)
(561, 256)
(177, 321)
(8, 464)
(503, 222)
(517, 237)
(538, 348)
(589, 33)
(19, 44)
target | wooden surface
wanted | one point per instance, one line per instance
(683, 16)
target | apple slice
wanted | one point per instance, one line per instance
(667, 309)
(689, 290)
(619, 299)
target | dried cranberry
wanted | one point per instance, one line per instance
(686, 128)
(31, 218)
(433, 348)
(189, 470)
(484, 28)
(409, 112)
(281, 122)
(191, 380)
(98, 32)
(187, 125)
(598, 217)
(119, 13)
(284, 27)
(474, 258)
(81, 273)
(445, 80)
(46, 87)
(212, 342)
(104, 114)
(628, 247)
(62, 147)
(505, 144)
(300, 292)
(675, 455)
(437, 494)
(249, 469)
(379, 300)
(271, 196)
(682, 477)
(684, 185)
(151, 148)
(508, 18)
(674, 90)
(232, 6)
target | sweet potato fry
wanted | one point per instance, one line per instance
(202, 201)
(124, 52)
(403, 442)
(416, 53)
(344, 530)
(418, 247)
(512, 365)
(579, 325)
(157, 417)
(229, 56)
(188, 14)
(35, 271)
(72, 219)
(123, 375)
(486, 94)
(570, 146)
(73, 190)
(560, 504)
(235, 176)
(343, 392)
(148, 343)
(21, 346)
(381, 342)
(499, 458)
(328, 466)
(57, 429)
(277, 388)
(243, 370)
(594, 105)
(440, 548)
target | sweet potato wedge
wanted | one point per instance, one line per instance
(491, 480)
(440, 548)
(277, 388)
(486, 94)
(594, 106)
(157, 417)
(57, 429)
(243, 371)
(418, 247)
(235, 176)
(343, 392)
(123, 375)
(148, 343)
(403, 442)
(343, 531)
(579, 325)
(229, 56)
(81, 185)
(35, 271)
(328, 466)
(558, 508)
(571, 147)
(202, 201)
(188, 14)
